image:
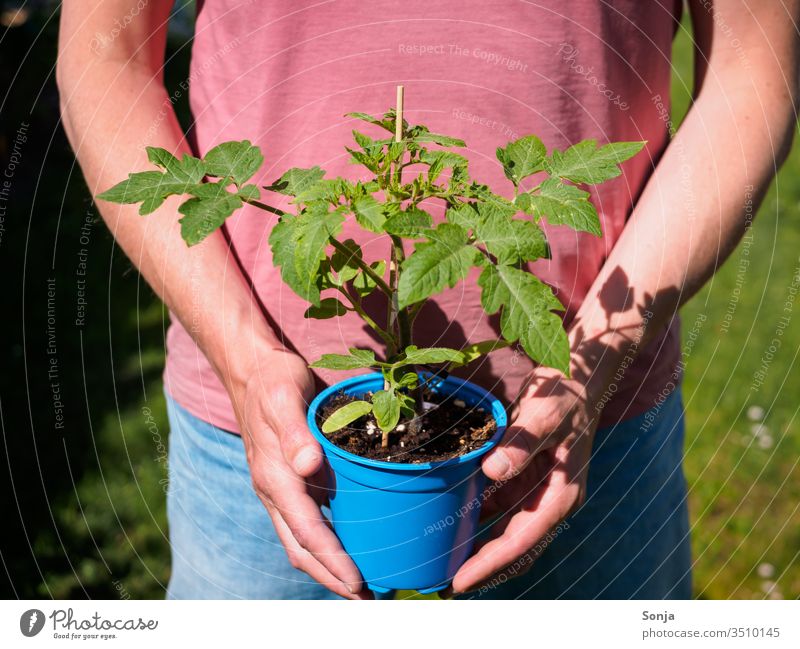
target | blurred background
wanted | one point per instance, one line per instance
(84, 429)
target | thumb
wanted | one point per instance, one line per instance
(300, 450)
(520, 443)
(511, 455)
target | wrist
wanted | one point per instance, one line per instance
(247, 356)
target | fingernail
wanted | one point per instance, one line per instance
(497, 464)
(306, 460)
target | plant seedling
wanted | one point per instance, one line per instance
(406, 167)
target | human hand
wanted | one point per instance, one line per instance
(541, 467)
(287, 469)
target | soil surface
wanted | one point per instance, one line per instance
(448, 428)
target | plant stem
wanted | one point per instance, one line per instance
(403, 324)
(355, 303)
(362, 265)
(265, 207)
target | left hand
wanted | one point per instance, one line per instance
(541, 467)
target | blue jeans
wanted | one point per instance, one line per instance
(629, 540)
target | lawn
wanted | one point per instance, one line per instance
(105, 535)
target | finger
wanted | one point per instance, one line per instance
(278, 486)
(308, 526)
(522, 532)
(303, 560)
(507, 497)
(287, 410)
(515, 451)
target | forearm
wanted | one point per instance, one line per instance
(693, 212)
(111, 112)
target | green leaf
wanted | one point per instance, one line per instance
(369, 213)
(151, 188)
(476, 350)
(345, 415)
(363, 283)
(188, 169)
(512, 241)
(314, 229)
(249, 193)
(355, 360)
(439, 160)
(522, 158)
(386, 407)
(412, 223)
(283, 241)
(237, 160)
(442, 261)
(409, 381)
(330, 307)
(365, 117)
(370, 162)
(465, 215)
(344, 264)
(330, 190)
(429, 356)
(585, 162)
(421, 134)
(206, 211)
(563, 204)
(296, 180)
(527, 314)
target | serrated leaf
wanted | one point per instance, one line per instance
(283, 241)
(206, 211)
(369, 213)
(412, 223)
(344, 264)
(188, 169)
(408, 381)
(439, 160)
(249, 193)
(387, 122)
(522, 158)
(355, 360)
(314, 228)
(422, 135)
(363, 283)
(475, 351)
(151, 188)
(345, 415)
(442, 261)
(330, 307)
(512, 241)
(296, 181)
(429, 356)
(465, 215)
(359, 157)
(585, 162)
(330, 190)
(386, 407)
(527, 314)
(237, 160)
(563, 204)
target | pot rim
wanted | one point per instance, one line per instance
(498, 412)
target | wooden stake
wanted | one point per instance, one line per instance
(398, 129)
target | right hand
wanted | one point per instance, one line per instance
(287, 468)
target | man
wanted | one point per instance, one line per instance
(282, 74)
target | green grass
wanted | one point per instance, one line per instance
(744, 494)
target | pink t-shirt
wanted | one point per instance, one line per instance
(283, 73)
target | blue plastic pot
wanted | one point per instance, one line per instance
(407, 526)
